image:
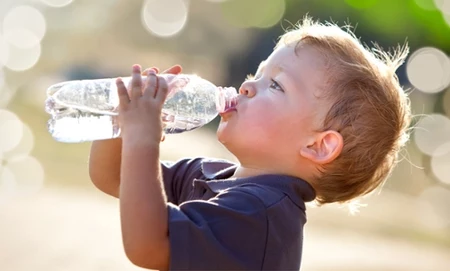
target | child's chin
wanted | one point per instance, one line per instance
(223, 132)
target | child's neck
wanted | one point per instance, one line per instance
(245, 171)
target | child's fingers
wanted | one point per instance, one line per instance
(122, 92)
(146, 71)
(136, 83)
(151, 87)
(175, 69)
(163, 89)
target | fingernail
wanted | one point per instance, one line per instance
(136, 68)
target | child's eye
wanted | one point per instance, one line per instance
(276, 86)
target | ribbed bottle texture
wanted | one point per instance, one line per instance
(86, 110)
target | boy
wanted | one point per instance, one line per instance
(323, 119)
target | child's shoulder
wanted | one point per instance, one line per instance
(203, 168)
(214, 174)
(270, 190)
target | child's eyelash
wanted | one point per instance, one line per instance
(250, 77)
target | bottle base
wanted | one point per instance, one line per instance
(75, 126)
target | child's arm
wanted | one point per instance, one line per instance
(143, 209)
(105, 157)
(104, 165)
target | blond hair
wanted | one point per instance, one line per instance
(369, 109)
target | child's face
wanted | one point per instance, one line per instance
(278, 111)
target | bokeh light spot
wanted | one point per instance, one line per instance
(428, 215)
(28, 174)
(6, 95)
(428, 69)
(25, 145)
(12, 130)
(164, 18)
(21, 38)
(426, 4)
(440, 163)
(21, 59)
(25, 17)
(273, 14)
(446, 102)
(254, 13)
(57, 3)
(2, 80)
(443, 6)
(447, 19)
(7, 183)
(431, 132)
(439, 198)
(4, 51)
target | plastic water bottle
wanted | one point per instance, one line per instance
(86, 110)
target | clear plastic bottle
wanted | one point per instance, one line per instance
(86, 110)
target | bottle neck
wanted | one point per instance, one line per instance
(226, 99)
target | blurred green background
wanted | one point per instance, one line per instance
(53, 218)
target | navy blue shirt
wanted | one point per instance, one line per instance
(215, 223)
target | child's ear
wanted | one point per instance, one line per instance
(326, 147)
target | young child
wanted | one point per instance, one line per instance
(323, 119)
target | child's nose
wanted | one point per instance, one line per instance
(248, 89)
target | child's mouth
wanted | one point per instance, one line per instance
(229, 107)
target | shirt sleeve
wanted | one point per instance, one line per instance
(227, 232)
(178, 177)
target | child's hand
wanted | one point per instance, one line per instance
(140, 108)
(175, 69)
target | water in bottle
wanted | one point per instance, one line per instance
(86, 110)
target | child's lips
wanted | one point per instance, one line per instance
(227, 111)
(231, 107)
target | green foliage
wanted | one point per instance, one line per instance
(387, 21)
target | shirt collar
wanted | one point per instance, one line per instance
(217, 173)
